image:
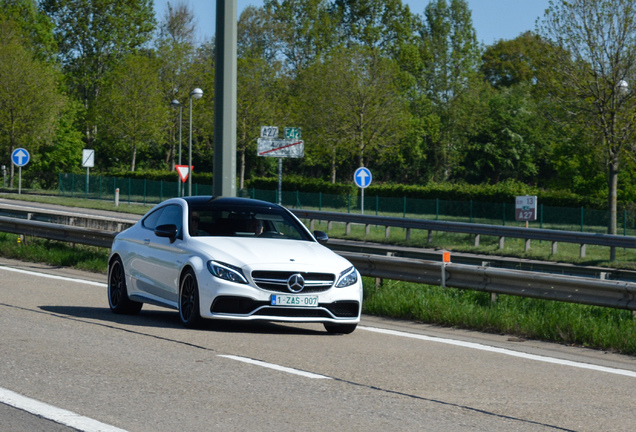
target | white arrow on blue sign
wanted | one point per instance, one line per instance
(362, 177)
(20, 157)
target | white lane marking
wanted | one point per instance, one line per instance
(275, 367)
(503, 351)
(50, 276)
(57, 415)
(396, 333)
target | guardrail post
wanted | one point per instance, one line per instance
(430, 236)
(527, 248)
(554, 247)
(582, 251)
(367, 228)
(408, 234)
(387, 231)
(612, 253)
(311, 225)
(477, 240)
(329, 225)
(348, 228)
(501, 242)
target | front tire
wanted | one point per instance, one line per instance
(340, 328)
(118, 293)
(189, 312)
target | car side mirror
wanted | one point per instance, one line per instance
(321, 237)
(168, 230)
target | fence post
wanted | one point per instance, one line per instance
(100, 187)
(377, 204)
(582, 217)
(160, 190)
(541, 220)
(471, 211)
(404, 214)
(348, 203)
(129, 189)
(320, 201)
(144, 191)
(504, 216)
(436, 208)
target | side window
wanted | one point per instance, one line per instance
(150, 222)
(172, 214)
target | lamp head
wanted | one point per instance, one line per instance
(197, 93)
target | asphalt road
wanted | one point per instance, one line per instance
(61, 346)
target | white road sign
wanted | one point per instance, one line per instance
(526, 208)
(281, 148)
(270, 132)
(88, 158)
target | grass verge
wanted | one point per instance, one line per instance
(566, 323)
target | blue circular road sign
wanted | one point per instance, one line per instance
(362, 177)
(20, 157)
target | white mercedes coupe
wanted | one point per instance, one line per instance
(233, 259)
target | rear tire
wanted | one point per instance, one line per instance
(189, 312)
(118, 293)
(340, 328)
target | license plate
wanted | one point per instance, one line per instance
(294, 300)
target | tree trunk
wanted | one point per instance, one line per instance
(612, 195)
(242, 173)
(134, 156)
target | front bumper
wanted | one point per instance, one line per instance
(220, 299)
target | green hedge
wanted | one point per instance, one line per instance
(501, 192)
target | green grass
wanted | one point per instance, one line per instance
(55, 253)
(566, 323)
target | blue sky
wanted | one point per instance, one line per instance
(492, 19)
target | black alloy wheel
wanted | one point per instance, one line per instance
(189, 300)
(117, 293)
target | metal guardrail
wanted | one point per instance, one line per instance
(615, 294)
(554, 236)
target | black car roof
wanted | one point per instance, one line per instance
(227, 201)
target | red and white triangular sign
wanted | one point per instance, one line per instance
(183, 172)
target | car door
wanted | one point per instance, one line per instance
(163, 257)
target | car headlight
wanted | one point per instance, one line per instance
(347, 278)
(227, 272)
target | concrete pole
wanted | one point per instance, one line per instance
(225, 99)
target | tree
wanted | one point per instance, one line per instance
(175, 48)
(354, 107)
(383, 24)
(32, 25)
(594, 62)
(92, 37)
(519, 60)
(30, 102)
(451, 55)
(305, 29)
(132, 111)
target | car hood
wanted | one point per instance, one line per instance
(270, 253)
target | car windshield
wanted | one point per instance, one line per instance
(247, 221)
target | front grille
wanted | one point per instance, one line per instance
(276, 281)
(294, 312)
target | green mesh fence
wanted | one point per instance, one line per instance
(548, 217)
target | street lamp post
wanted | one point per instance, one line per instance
(197, 93)
(175, 103)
